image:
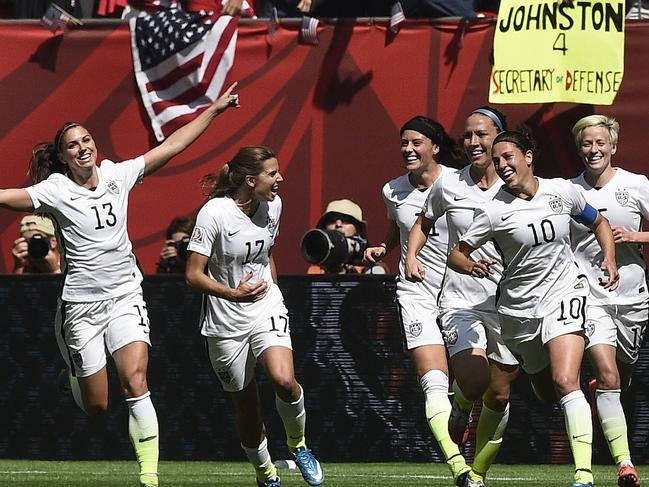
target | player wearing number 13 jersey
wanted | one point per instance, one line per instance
(542, 296)
(243, 316)
(101, 310)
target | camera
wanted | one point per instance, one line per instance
(330, 248)
(38, 246)
(181, 248)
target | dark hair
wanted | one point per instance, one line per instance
(496, 116)
(45, 156)
(246, 162)
(523, 140)
(183, 224)
(449, 152)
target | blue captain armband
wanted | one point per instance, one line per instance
(586, 217)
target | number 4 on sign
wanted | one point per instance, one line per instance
(560, 43)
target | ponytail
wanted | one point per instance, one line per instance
(248, 161)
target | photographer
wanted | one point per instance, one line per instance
(173, 255)
(339, 255)
(36, 251)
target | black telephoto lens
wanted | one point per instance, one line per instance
(38, 246)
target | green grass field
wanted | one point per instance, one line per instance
(177, 474)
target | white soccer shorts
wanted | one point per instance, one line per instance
(621, 326)
(234, 359)
(466, 329)
(419, 325)
(87, 332)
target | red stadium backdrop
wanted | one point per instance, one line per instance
(331, 112)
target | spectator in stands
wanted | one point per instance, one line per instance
(101, 309)
(36, 251)
(437, 8)
(173, 255)
(244, 318)
(346, 217)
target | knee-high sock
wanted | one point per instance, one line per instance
(260, 459)
(613, 421)
(143, 431)
(438, 409)
(580, 433)
(293, 416)
(491, 428)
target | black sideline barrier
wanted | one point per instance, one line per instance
(363, 401)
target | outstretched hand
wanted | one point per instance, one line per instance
(228, 99)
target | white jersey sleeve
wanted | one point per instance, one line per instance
(92, 229)
(480, 231)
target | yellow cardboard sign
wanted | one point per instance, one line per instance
(555, 50)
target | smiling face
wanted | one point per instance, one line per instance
(513, 165)
(417, 151)
(266, 183)
(596, 149)
(77, 150)
(479, 134)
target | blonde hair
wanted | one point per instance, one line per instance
(595, 121)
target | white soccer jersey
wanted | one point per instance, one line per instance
(624, 201)
(236, 245)
(92, 229)
(458, 197)
(404, 203)
(533, 238)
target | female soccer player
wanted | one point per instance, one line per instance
(542, 300)
(424, 144)
(482, 365)
(243, 315)
(101, 307)
(616, 320)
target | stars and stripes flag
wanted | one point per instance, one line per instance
(181, 60)
(56, 18)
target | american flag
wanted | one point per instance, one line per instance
(181, 60)
(56, 18)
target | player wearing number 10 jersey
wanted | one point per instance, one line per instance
(542, 296)
(243, 315)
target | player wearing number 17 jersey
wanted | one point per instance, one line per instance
(617, 320)
(542, 296)
(243, 317)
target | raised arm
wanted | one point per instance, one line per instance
(604, 236)
(16, 199)
(187, 134)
